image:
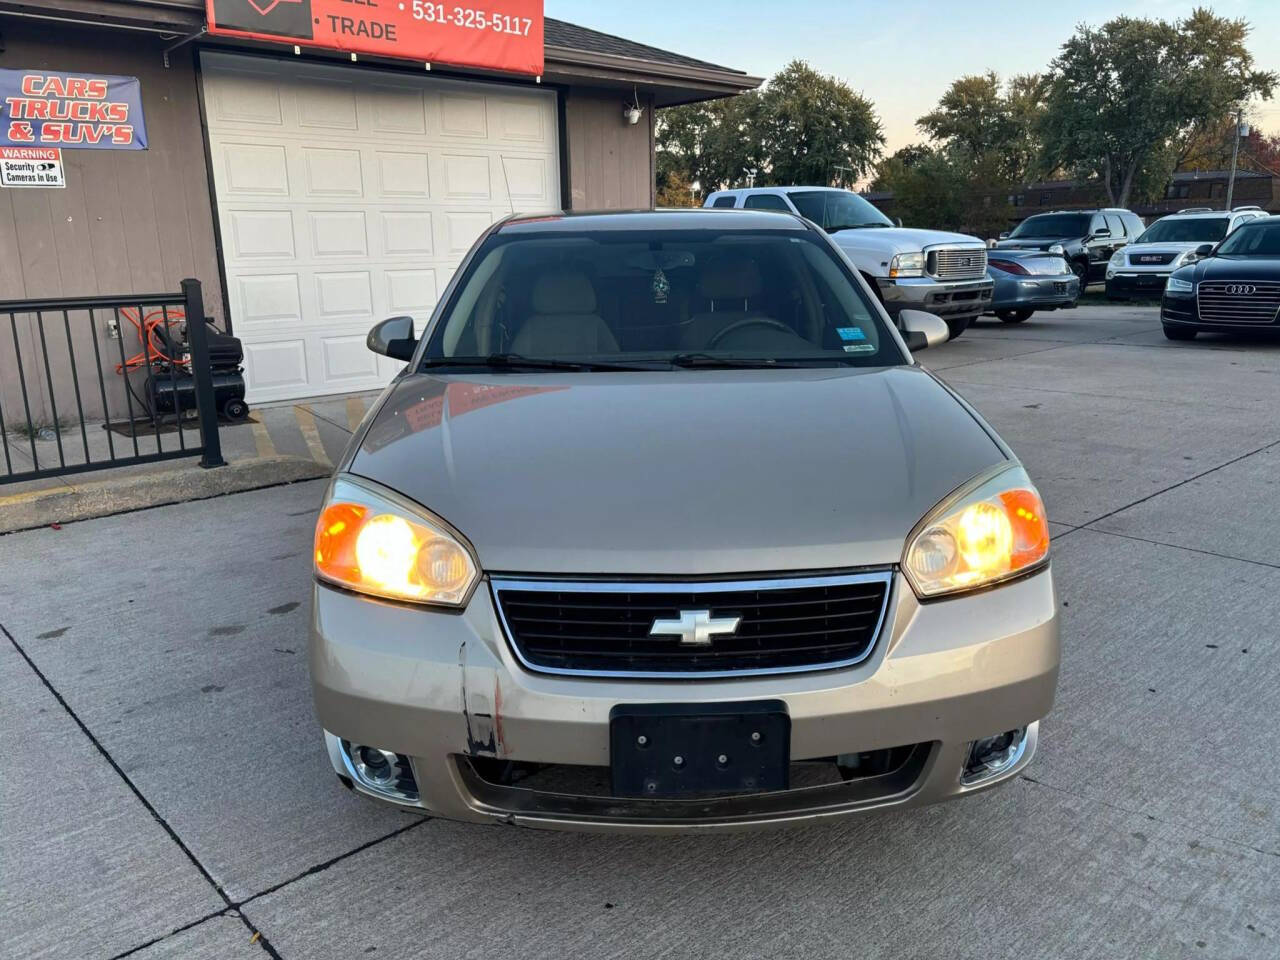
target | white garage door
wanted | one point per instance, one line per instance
(347, 195)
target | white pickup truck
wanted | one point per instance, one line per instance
(942, 273)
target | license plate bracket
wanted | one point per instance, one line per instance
(666, 750)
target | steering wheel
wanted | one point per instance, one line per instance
(749, 322)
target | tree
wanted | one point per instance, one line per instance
(817, 130)
(1124, 98)
(931, 188)
(803, 128)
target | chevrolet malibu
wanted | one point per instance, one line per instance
(661, 528)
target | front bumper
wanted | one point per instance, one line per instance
(956, 299)
(1040, 293)
(446, 691)
(1145, 285)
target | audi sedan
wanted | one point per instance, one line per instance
(662, 528)
(1235, 288)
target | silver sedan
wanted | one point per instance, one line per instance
(661, 528)
(1027, 281)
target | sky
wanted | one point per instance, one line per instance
(903, 54)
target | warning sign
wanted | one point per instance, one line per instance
(31, 167)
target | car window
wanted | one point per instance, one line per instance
(1097, 223)
(1258, 239)
(836, 210)
(766, 201)
(1053, 225)
(645, 297)
(1115, 225)
(1134, 224)
(729, 201)
(1185, 230)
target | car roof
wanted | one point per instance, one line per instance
(738, 191)
(692, 218)
(1196, 214)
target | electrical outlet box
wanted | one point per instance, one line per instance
(113, 328)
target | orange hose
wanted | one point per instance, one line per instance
(146, 325)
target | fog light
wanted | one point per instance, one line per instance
(382, 772)
(992, 756)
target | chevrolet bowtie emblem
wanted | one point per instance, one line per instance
(695, 628)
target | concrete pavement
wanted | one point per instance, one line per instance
(168, 795)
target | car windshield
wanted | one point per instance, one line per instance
(837, 210)
(656, 299)
(1053, 225)
(1186, 230)
(1253, 240)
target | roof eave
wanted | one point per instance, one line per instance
(672, 83)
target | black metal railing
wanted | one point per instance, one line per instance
(93, 382)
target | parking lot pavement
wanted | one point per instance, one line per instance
(154, 671)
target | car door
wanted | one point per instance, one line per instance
(1101, 247)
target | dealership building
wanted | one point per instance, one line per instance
(314, 190)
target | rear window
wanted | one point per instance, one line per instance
(644, 297)
(766, 201)
(729, 201)
(1186, 230)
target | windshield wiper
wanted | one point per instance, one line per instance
(514, 361)
(855, 226)
(695, 360)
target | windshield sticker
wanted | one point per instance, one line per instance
(661, 286)
(859, 348)
(851, 333)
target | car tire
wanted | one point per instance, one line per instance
(1178, 333)
(1081, 269)
(1014, 316)
(957, 325)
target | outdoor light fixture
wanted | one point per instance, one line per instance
(632, 112)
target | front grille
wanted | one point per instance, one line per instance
(956, 263)
(1244, 301)
(604, 628)
(1151, 259)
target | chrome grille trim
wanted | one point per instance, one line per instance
(956, 263)
(499, 583)
(1220, 301)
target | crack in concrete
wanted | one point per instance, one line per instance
(261, 939)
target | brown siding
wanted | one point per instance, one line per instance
(127, 222)
(610, 162)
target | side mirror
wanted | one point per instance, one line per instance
(1004, 235)
(393, 338)
(921, 329)
(1205, 250)
(1102, 232)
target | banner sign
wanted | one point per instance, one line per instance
(39, 108)
(31, 167)
(501, 35)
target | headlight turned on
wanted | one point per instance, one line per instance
(373, 541)
(988, 531)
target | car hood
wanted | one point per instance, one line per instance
(1238, 268)
(900, 239)
(686, 472)
(1035, 243)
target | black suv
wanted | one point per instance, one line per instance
(1086, 238)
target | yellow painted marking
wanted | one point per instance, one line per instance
(263, 439)
(307, 424)
(355, 412)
